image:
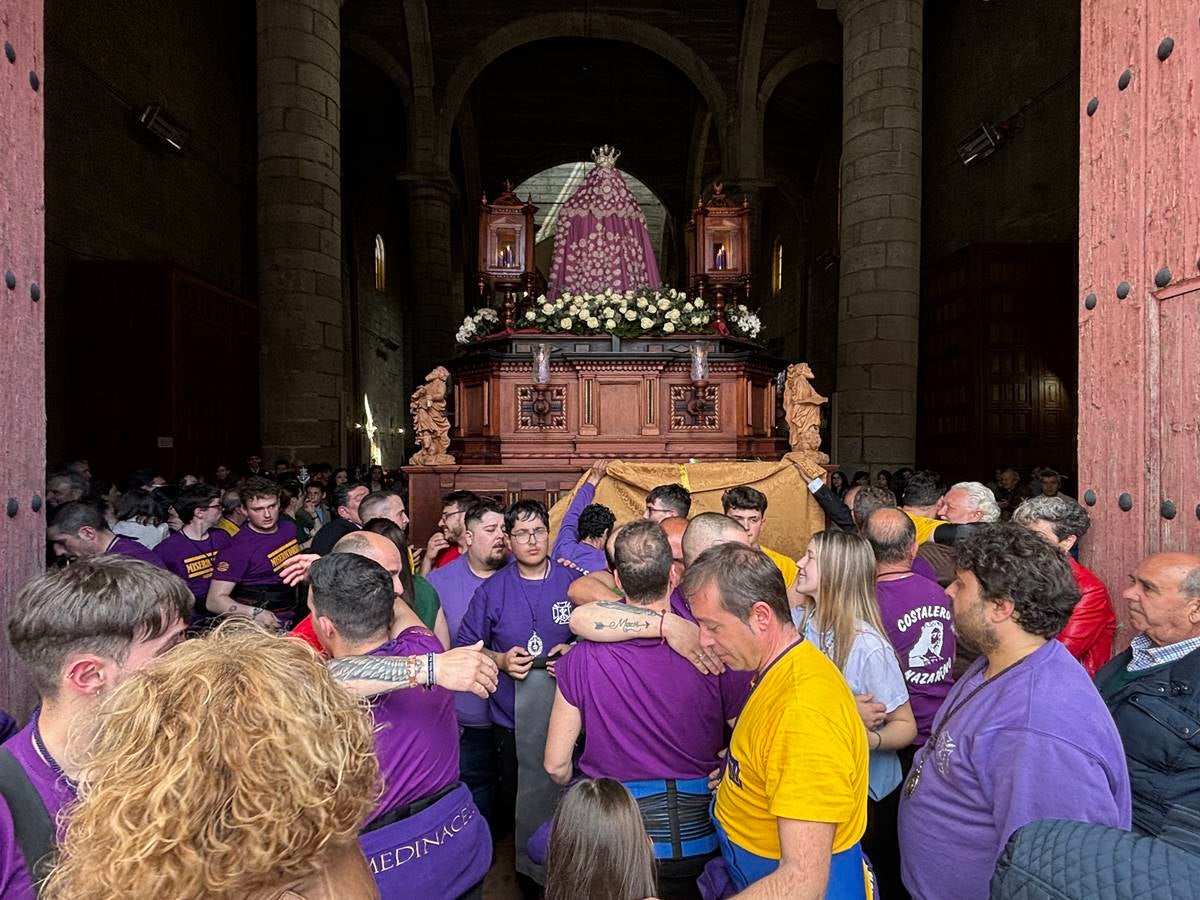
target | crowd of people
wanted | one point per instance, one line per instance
(254, 685)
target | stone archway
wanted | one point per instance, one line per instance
(583, 25)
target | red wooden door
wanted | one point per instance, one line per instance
(1139, 287)
(22, 295)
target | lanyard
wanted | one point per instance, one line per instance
(914, 777)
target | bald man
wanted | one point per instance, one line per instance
(461, 669)
(1153, 692)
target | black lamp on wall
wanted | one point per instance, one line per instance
(155, 121)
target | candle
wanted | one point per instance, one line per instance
(541, 363)
(699, 354)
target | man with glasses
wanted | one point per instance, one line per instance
(447, 543)
(190, 551)
(521, 614)
(668, 500)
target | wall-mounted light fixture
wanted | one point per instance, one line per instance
(156, 122)
(980, 143)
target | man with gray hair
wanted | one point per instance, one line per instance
(1089, 632)
(383, 505)
(63, 487)
(968, 502)
(1153, 693)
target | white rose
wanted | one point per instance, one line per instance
(531, 315)
(608, 292)
(642, 302)
(697, 320)
(647, 324)
(624, 305)
(673, 315)
(664, 303)
(565, 324)
(629, 295)
(668, 328)
(631, 315)
(547, 308)
(687, 307)
(699, 301)
(610, 324)
(672, 293)
(593, 323)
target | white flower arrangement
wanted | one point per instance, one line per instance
(628, 314)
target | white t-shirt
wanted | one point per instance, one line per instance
(871, 668)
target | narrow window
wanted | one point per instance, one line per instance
(380, 264)
(777, 267)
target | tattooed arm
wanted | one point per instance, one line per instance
(607, 622)
(461, 669)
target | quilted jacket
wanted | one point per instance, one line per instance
(1059, 860)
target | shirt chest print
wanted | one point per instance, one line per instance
(943, 750)
(561, 612)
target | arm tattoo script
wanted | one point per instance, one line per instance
(640, 621)
(401, 670)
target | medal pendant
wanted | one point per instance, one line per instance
(914, 779)
(535, 645)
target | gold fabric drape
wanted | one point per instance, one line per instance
(793, 516)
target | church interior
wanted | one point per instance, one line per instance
(284, 278)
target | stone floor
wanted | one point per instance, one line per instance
(501, 881)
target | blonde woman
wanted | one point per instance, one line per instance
(840, 615)
(233, 767)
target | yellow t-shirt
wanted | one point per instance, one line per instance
(925, 527)
(799, 751)
(784, 564)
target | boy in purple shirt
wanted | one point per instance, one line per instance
(916, 615)
(79, 531)
(1022, 736)
(54, 627)
(245, 579)
(626, 698)
(191, 551)
(585, 527)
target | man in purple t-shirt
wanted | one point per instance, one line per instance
(79, 531)
(626, 698)
(245, 579)
(53, 627)
(353, 603)
(1022, 736)
(916, 615)
(456, 583)
(585, 527)
(191, 551)
(521, 613)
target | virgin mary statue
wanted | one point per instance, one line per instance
(602, 241)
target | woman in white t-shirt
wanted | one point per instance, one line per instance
(840, 615)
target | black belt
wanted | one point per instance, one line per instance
(400, 813)
(272, 597)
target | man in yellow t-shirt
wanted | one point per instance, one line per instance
(748, 507)
(791, 806)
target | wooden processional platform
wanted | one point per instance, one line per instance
(607, 397)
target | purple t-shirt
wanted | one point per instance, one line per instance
(127, 546)
(253, 558)
(193, 560)
(568, 545)
(629, 695)
(1038, 743)
(919, 623)
(417, 738)
(921, 566)
(506, 611)
(456, 583)
(56, 792)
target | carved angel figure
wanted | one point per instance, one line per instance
(802, 407)
(428, 408)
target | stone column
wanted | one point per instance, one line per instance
(436, 314)
(879, 291)
(302, 333)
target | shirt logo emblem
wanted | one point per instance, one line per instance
(733, 771)
(222, 567)
(927, 651)
(561, 612)
(943, 751)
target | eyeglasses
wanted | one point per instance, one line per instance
(454, 512)
(658, 509)
(529, 537)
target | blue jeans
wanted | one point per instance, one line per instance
(478, 771)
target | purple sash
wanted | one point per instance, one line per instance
(442, 851)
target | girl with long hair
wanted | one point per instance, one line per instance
(598, 846)
(233, 767)
(840, 615)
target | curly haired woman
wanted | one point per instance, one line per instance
(234, 767)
